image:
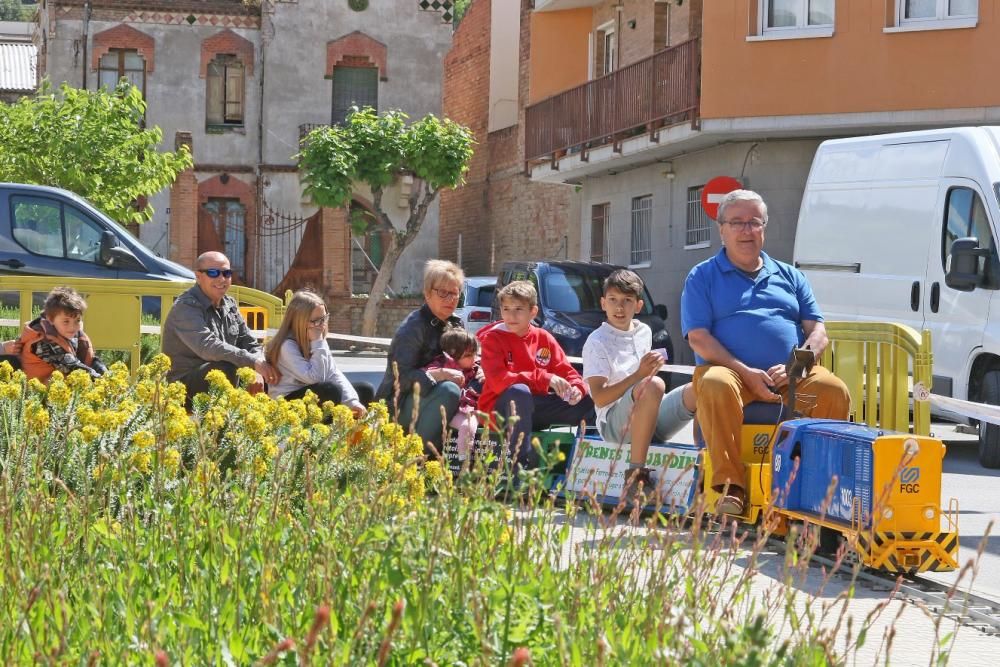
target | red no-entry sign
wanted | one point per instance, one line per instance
(714, 191)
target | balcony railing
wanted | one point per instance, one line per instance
(655, 92)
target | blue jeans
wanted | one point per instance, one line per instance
(536, 413)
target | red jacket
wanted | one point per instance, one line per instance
(509, 359)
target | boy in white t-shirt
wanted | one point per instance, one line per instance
(620, 367)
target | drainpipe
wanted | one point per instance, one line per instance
(265, 10)
(86, 38)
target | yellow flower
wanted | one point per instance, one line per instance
(10, 391)
(90, 433)
(259, 466)
(216, 379)
(143, 439)
(246, 375)
(269, 447)
(340, 415)
(56, 376)
(79, 380)
(414, 446)
(6, 371)
(437, 473)
(159, 364)
(171, 459)
(322, 430)
(141, 461)
(314, 413)
(255, 425)
(36, 417)
(36, 385)
(176, 392)
(59, 394)
(379, 411)
(99, 471)
(214, 419)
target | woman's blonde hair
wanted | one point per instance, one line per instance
(437, 271)
(295, 325)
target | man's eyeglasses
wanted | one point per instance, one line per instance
(320, 321)
(446, 295)
(215, 273)
(744, 225)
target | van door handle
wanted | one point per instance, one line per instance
(915, 296)
(13, 263)
(935, 297)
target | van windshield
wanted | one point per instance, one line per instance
(570, 291)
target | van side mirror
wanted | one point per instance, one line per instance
(963, 264)
(108, 242)
(660, 311)
(113, 254)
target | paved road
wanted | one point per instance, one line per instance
(975, 487)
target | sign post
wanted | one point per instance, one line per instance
(714, 191)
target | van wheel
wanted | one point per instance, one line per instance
(989, 434)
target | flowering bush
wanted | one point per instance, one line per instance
(256, 530)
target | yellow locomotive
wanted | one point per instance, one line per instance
(871, 482)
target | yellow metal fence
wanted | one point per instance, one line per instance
(114, 307)
(878, 361)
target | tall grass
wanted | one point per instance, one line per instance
(252, 532)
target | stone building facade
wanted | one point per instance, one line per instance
(240, 83)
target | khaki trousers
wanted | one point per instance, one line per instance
(720, 395)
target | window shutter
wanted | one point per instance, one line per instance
(234, 92)
(214, 94)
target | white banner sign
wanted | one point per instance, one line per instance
(599, 468)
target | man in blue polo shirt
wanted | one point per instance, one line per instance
(742, 312)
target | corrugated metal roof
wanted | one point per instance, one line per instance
(17, 66)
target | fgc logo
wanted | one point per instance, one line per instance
(909, 480)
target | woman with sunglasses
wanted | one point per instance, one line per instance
(416, 343)
(300, 353)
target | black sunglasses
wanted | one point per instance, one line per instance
(215, 273)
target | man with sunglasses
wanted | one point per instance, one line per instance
(205, 331)
(743, 312)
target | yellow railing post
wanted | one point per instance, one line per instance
(878, 361)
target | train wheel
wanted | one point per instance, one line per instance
(989, 434)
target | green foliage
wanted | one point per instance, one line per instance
(91, 143)
(376, 148)
(250, 533)
(10, 10)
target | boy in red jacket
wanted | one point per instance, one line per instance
(527, 374)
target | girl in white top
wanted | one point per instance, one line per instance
(300, 353)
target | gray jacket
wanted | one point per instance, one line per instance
(196, 332)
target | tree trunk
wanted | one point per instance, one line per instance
(398, 242)
(369, 319)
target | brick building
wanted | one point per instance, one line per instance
(500, 213)
(240, 84)
(638, 103)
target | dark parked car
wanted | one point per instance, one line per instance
(569, 301)
(51, 232)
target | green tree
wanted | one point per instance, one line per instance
(10, 10)
(92, 143)
(376, 149)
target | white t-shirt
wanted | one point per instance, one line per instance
(615, 354)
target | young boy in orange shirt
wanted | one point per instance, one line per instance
(527, 374)
(55, 341)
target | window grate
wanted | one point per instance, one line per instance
(642, 229)
(699, 225)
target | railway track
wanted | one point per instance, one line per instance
(962, 606)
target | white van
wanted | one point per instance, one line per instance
(903, 228)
